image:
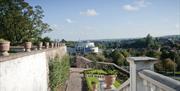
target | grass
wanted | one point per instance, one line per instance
(58, 72)
(89, 81)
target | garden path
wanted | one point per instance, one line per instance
(76, 82)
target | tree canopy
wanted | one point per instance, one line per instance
(21, 22)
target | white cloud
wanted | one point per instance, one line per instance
(135, 6)
(129, 7)
(69, 20)
(89, 12)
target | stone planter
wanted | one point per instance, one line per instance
(52, 45)
(4, 48)
(46, 45)
(28, 46)
(56, 44)
(40, 44)
(109, 80)
(63, 44)
(94, 86)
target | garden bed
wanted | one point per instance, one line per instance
(93, 75)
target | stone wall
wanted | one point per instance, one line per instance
(27, 71)
(82, 62)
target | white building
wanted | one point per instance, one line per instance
(86, 47)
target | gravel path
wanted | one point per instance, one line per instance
(76, 82)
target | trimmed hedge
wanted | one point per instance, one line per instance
(95, 71)
(58, 72)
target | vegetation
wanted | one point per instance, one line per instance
(58, 71)
(166, 49)
(95, 57)
(100, 72)
(2, 40)
(89, 81)
(21, 22)
(111, 72)
(95, 71)
(117, 84)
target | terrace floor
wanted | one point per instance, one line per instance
(76, 82)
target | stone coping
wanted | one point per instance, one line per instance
(22, 54)
(160, 80)
(136, 59)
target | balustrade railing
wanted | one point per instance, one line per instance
(143, 78)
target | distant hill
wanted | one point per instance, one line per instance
(177, 37)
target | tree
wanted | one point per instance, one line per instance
(63, 41)
(20, 22)
(168, 64)
(46, 39)
(153, 53)
(118, 58)
(149, 41)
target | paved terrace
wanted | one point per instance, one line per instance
(76, 82)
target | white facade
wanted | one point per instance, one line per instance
(85, 44)
(95, 49)
(86, 47)
(27, 73)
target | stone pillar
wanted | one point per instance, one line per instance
(137, 64)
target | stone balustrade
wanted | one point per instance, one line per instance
(95, 75)
(125, 86)
(143, 78)
(18, 49)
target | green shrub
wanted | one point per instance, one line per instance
(58, 71)
(111, 72)
(117, 84)
(90, 80)
(3, 40)
(100, 72)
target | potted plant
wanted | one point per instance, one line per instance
(40, 44)
(4, 47)
(52, 44)
(46, 45)
(28, 45)
(94, 86)
(110, 78)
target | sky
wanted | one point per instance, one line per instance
(109, 19)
